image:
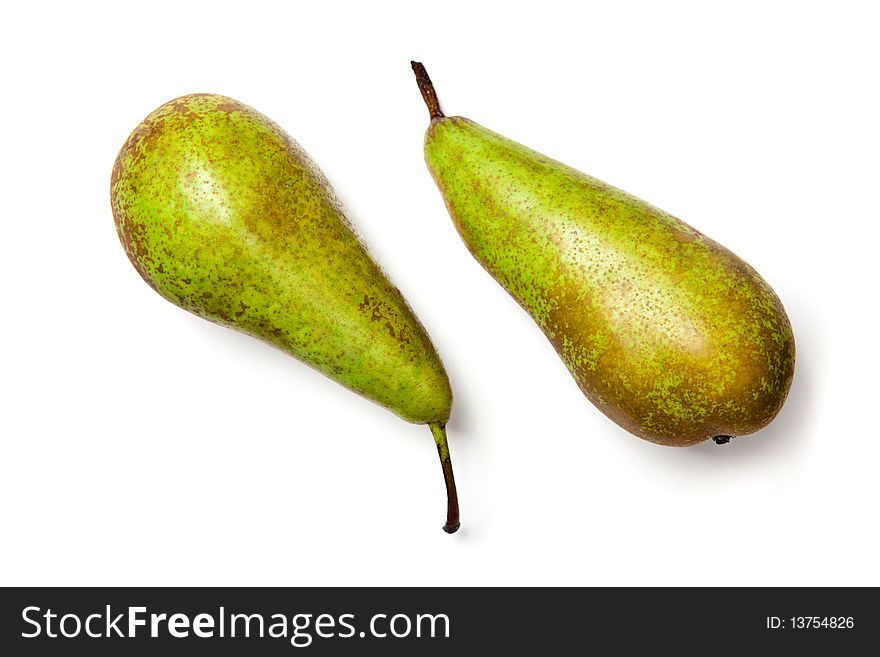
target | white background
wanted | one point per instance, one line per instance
(144, 446)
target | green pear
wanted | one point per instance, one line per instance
(668, 333)
(226, 216)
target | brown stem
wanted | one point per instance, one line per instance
(452, 521)
(427, 89)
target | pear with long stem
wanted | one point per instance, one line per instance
(225, 215)
(667, 332)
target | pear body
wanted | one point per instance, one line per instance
(668, 333)
(226, 216)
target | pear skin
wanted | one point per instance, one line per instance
(668, 333)
(225, 215)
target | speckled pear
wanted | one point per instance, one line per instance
(667, 332)
(226, 216)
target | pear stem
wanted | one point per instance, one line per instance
(427, 89)
(452, 522)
